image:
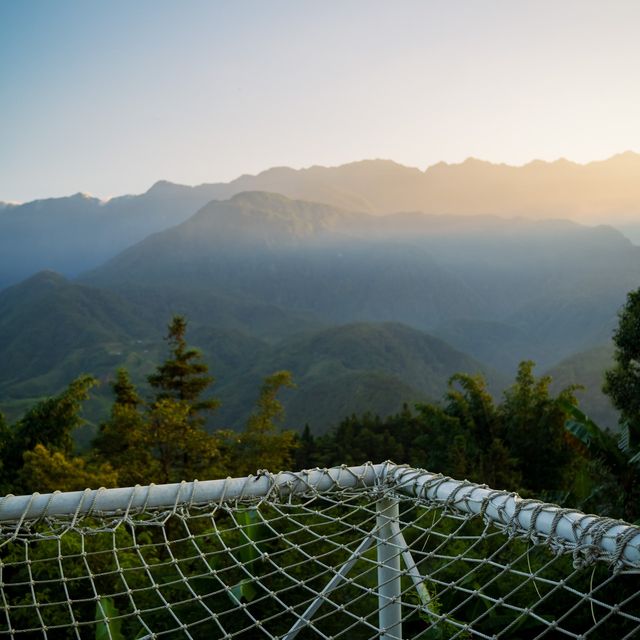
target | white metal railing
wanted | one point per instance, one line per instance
(351, 551)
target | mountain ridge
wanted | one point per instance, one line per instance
(342, 267)
(339, 370)
(35, 236)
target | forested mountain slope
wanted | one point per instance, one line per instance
(502, 290)
(52, 330)
(271, 277)
(587, 369)
(354, 368)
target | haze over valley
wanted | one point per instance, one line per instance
(370, 307)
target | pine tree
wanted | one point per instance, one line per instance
(122, 439)
(163, 440)
(183, 376)
(125, 392)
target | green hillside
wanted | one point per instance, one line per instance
(352, 369)
(587, 369)
(503, 290)
(53, 330)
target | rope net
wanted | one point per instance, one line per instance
(368, 552)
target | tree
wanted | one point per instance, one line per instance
(262, 445)
(534, 423)
(183, 376)
(49, 423)
(466, 435)
(180, 449)
(616, 460)
(622, 382)
(157, 442)
(121, 440)
(49, 470)
(610, 477)
(125, 392)
(163, 440)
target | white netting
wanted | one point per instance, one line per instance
(367, 552)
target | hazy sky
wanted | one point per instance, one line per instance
(109, 96)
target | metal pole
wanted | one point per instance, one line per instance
(389, 587)
(305, 618)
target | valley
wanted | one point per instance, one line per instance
(369, 312)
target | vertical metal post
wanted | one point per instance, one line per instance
(388, 556)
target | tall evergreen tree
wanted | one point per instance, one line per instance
(183, 376)
(121, 439)
(124, 391)
(164, 440)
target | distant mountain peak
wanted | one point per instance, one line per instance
(626, 157)
(375, 162)
(259, 197)
(163, 186)
(46, 276)
(41, 281)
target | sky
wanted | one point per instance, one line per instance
(109, 96)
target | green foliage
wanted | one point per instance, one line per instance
(123, 439)
(109, 625)
(617, 464)
(519, 444)
(181, 450)
(251, 530)
(182, 376)
(105, 553)
(262, 445)
(124, 391)
(612, 479)
(534, 431)
(45, 471)
(622, 382)
(49, 423)
(162, 441)
(368, 437)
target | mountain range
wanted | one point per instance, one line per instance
(511, 289)
(368, 308)
(37, 235)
